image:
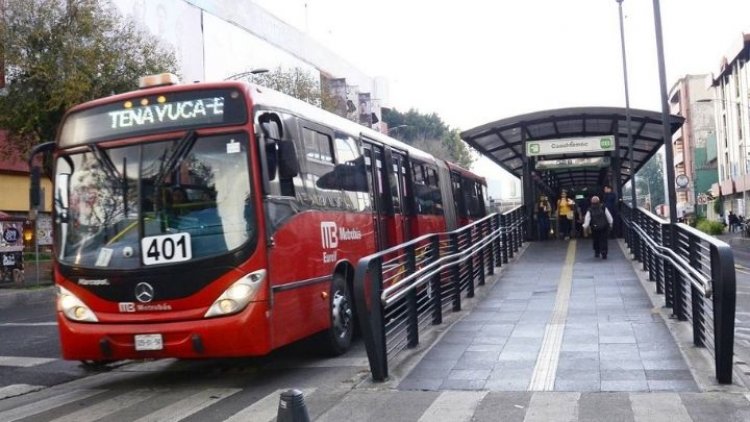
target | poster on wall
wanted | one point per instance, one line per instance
(44, 229)
(11, 236)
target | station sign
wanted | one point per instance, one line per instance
(573, 163)
(570, 145)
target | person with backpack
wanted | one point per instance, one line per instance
(600, 220)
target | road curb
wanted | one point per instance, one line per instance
(14, 297)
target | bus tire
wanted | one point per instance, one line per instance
(338, 338)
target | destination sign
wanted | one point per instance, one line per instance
(202, 110)
(570, 145)
(154, 113)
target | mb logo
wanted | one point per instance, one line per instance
(329, 234)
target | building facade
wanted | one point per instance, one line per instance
(731, 92)
(694, 144)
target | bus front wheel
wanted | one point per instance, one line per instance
(338, 338)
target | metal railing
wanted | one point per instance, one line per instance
(403, 291)
(695, 273)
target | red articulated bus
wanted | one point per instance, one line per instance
(225, 219)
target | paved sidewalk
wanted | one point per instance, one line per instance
(602, 334)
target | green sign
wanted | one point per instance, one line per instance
(570, 145)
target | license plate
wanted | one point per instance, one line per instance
(148, 342)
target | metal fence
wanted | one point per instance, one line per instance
(403, 291)
(695, 273)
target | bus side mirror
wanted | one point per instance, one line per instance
(288, 162)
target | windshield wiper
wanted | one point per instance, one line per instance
(105, 162)
(180, 151)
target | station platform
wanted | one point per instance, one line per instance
(559, 319)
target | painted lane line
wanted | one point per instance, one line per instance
(453, 406)
(188, 406)
(23, 362)
(18, 390)
(545, 370)
(28, 324)
(108, 407)
(41, 406)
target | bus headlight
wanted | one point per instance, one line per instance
(72, 307)
(238, 295)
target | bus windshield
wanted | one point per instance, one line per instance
(155, 203)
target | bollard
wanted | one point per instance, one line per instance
(292, 407)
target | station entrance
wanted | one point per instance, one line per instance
(576, 150)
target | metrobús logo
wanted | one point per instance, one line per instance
(128, 307)
(331, 234)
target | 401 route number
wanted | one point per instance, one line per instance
(166, 249)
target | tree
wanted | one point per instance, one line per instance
(59, 53)
(428, 132)
(650, 179)
(295, 82)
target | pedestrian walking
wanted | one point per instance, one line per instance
(565, 214)
(600, 221)
(542, 216)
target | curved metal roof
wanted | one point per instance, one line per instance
(502, 141)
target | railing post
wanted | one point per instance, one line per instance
(496, 243)
(436, 299)
(488, 252)
(412, 317)
(470, 263)
(725, 300)
(511, 235)
(677, 284)
(504, 236)
(370, 312)
(456, 272)
(699, 336)
(664, 285)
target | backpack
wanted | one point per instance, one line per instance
(598, 218)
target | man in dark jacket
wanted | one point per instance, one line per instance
(600, 220)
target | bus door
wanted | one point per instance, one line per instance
(378, 182)
(398, 222)
(459, 199)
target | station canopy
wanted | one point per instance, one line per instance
(505, 142)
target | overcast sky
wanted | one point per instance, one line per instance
(476, 61)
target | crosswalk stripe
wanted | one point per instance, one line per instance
(18, 390)
(110, 406)
(41, 406)
(553, 407)
(654, 407)
(190, 405)
(453, 406)
(265, 409)
(23, 362)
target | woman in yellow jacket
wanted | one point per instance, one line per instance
(565, 214)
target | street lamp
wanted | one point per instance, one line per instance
(634, 201)
(242, 75)
(666, 125)
(388, 131)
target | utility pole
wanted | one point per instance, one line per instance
(666, 125)
(634, 202)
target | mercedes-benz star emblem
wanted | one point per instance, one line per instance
(144, 292)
